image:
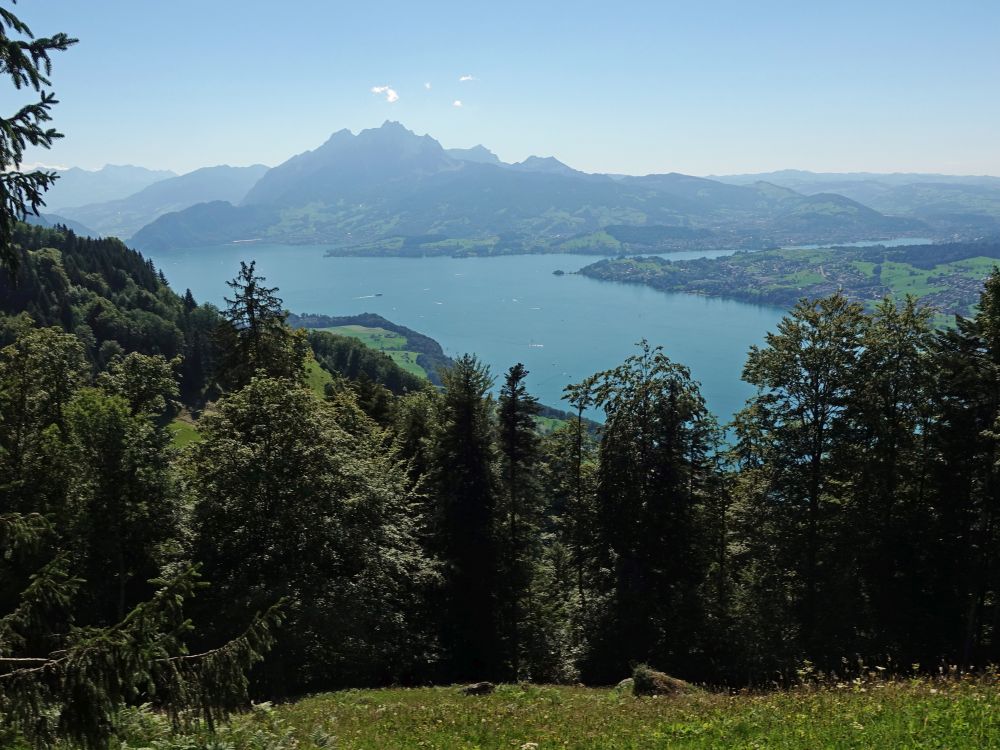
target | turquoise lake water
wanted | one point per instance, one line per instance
(505, 310)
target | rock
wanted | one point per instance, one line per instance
(647, 681)
(479, 688)
(628, 684)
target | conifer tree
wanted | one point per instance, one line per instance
(27, 60)
(255, 338)
(87, 509)
(519, 512)
(465, 523)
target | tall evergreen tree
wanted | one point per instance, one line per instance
(965, 579)
(519, 511)
(255, 338)
(465, 523)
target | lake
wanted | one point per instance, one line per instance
(506, 310)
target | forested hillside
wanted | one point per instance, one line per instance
(414, 535)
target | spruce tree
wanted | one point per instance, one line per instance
(255, 338)
(519, 512)
(27, 60)
(465, 523)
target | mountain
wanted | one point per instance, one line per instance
(76, 186)
(388, 191)
(347, 164)
(546, 164)
(51, 220)
(948, 203)
(479, 154)
(122, 218)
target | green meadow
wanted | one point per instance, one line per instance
(924, 713)
(389, 342)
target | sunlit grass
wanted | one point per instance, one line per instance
(183, 432)
(390, 343)
(860, 714)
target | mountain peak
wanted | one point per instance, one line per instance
(548, 164)
(349, 163)
(478, 154)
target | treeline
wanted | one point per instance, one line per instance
(430, 355)
(434, 536)
(116, 302)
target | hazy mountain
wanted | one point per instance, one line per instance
(546, 164)
(479, 154)
(949, 203)
(123, 217)
(389, 191)
(51, 220)
(806, 181)
(348, 164)
(76, 186)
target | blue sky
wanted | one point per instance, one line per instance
(634, 87)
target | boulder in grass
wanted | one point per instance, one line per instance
(479, 688)
(626, 686)
(647, 681)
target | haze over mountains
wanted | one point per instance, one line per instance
(125, 216)
(388, 191)
(76, 187)
(947, 202)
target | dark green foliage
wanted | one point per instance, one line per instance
(344, 355)
(254, 338)
(74, 691)
(519, 514)
(89, 519)
(430, 355)
(290, 503)
(465, 523)
(792, 433)
(112, 299)
(655, 476)
(418, 534)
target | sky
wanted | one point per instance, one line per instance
(706, 87)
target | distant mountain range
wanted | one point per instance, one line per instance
(388, 191)
(948, 203)
(76, 187)
(125, 216)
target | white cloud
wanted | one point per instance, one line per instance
(466, 77)
(427, 86)
(390, 93)
(457, 103)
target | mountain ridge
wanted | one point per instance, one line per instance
(389, 191)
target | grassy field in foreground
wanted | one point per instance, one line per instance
(916, 714)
